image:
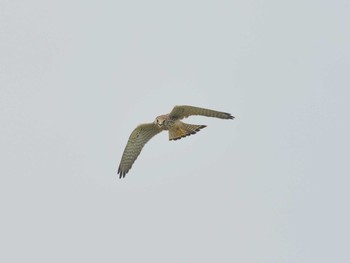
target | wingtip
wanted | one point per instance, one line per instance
(121, 173)
(230, 116)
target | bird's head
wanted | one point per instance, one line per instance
(160, 120)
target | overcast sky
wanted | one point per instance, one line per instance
(76, 77)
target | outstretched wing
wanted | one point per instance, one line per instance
(180, 112)
(138, 138)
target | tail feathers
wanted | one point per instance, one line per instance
(181, 130)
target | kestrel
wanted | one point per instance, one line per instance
(169, 122)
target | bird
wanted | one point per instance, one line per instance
(170, 122)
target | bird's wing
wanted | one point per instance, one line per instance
(138, 138)
(180, 112)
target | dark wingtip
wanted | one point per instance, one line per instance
(121, 173)
(229, 116)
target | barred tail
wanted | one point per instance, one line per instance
(181, 129)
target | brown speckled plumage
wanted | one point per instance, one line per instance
(170, 122)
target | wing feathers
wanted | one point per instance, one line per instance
(180, 112)
(138, 138)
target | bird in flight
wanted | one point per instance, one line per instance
(170, 122)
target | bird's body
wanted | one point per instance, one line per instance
(169, 122)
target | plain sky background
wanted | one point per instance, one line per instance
(76, 77)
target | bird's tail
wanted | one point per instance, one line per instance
(182, 129)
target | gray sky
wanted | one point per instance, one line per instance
(76, 77)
